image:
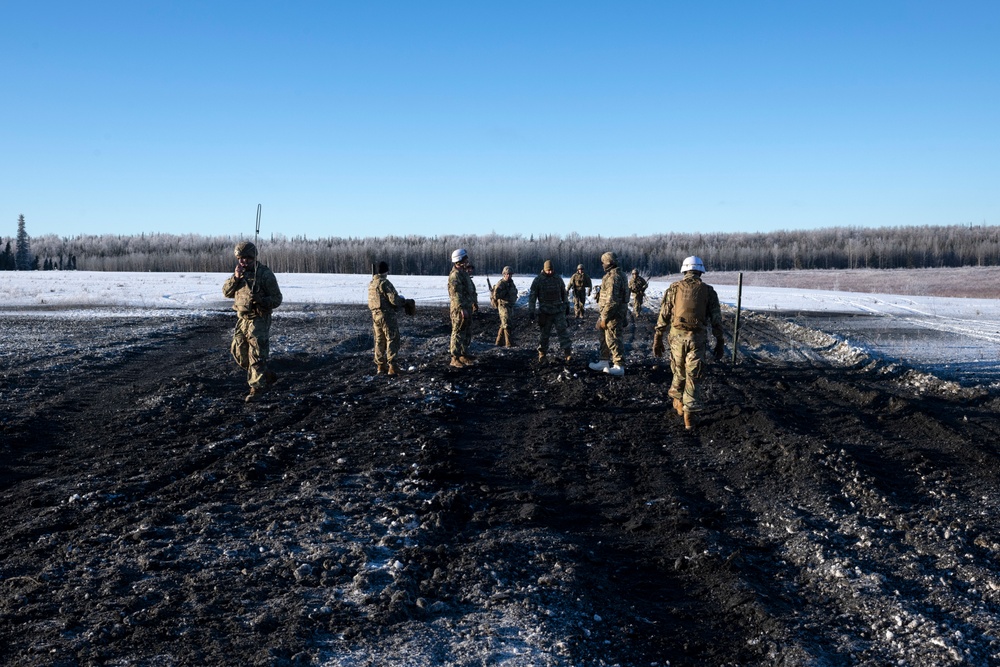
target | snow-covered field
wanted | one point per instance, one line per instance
(955, 338)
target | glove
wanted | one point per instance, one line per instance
(409, 306)
(720, 348)
(475, 307)
(567, 309)
(601, 325)
(658, 344)
(531, 317)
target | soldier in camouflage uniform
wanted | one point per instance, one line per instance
(384, 301)
(549, 291)
(580, 285)
(637, 285)
(688, 309)
(504, 297)
(255, 292)
(612, 315)
(464, 302)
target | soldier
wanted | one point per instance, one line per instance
(384, 301)
(504, 297)
(464, 303)
(688, 308)
(256, 294)
(581, 286)
(637, 285)
(612, 315)
(549, 291)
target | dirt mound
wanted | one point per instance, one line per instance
(827, 510)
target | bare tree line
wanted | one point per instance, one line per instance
(660, 254)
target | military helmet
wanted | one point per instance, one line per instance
(459, 255)
(245, 249)
(693, 263)
(579, 267)
(506, 271)
(635, 271)
(609, 259)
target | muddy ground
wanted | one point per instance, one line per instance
(828, 510)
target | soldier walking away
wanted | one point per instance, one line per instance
(384, 301)
(581, 286)
(688, 309)
(255, 291)
(549, 290)
(504, 297)
(462, 292)
(637, 285)
(612, 314)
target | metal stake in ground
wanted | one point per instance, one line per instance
(736, 324)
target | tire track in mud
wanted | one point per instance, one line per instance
(824, 512)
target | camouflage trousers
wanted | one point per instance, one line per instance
(251, 348)
(639, 298)
(545, 323)
(461, 334)
(579, 299)
(506, 311)
(386, 336)
(687, 363)
(612, 341)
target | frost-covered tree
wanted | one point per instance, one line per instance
(22, 254)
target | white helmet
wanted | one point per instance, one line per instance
(693, 263)
(458, 255)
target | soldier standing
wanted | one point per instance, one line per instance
(504, 297)
(612, 314)
(549, 291)
(688, 308)
(462, 292)
(255, 292)
(581, 286)
(637, 285)
(384, 301)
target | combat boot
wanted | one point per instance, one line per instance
(506, 339)
(541, 357)
(568, 355)
(689, 420)
(379, 369)
(679, 407)
(615, 370)
(254, 395)
(467, 360)
(601, 365)
(270, 378)
(499, 337)
(455, 363)
(393, 369)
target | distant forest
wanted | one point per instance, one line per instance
(660, 254)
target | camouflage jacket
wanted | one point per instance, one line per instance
(613, 300)
(382, 295)
(505, 292)
(462, 290)
(580, 281)
(638, 285)
(265, 298)
(689, 305)
(550, 293)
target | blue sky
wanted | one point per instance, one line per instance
(430, 118)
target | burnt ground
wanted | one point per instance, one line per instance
(828, 510)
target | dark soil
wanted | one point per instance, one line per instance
(512, 513)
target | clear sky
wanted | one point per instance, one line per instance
(615, 118)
